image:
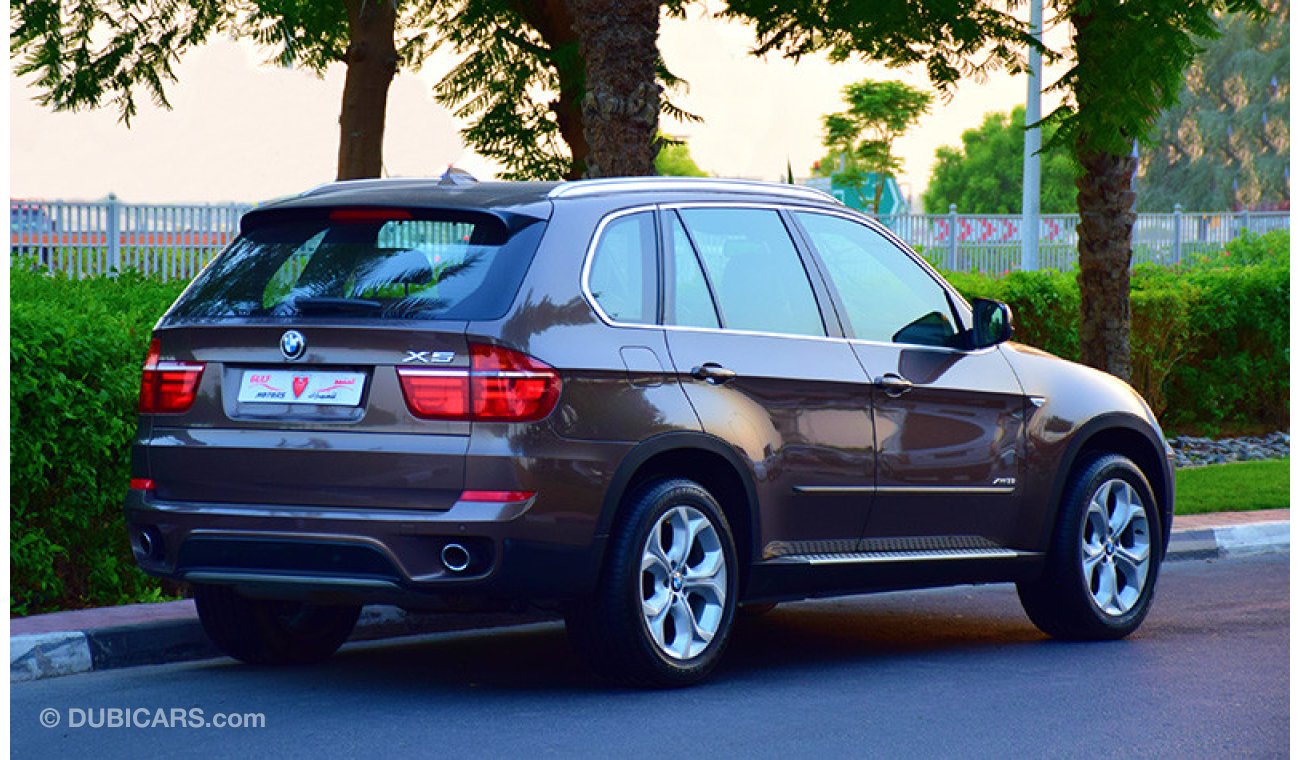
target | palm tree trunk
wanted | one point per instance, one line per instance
(618, 40)
(371, 61)
(1106, 219)
(1106, 202)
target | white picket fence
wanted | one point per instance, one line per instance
(84, 238)
(176, 241)
(991, 243)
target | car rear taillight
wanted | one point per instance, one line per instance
(142, 484)
(433, 394)
(167, 387)
(501, 385)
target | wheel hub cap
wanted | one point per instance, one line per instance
(1116, 554)
(683, 582)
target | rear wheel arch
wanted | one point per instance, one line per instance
(704, 459)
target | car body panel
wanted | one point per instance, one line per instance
(950, 449)
(1070, 403)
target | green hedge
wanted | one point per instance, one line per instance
(1210, 341)
(75, 352)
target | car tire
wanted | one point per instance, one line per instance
(665, 602)
(1104, 557)
(267, 632)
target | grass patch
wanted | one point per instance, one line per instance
(1234, 487)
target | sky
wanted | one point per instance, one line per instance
(242, 130)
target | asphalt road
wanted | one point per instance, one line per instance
(947, 673)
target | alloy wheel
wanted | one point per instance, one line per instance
(1116, 547)
(683, 582)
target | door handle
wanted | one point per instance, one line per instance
(712, 372)
(893, 385)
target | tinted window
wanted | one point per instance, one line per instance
(468, 266)
(756, 273)
(622, 277)
(887, 296)
(687, 300)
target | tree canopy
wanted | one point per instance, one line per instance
(951, 39)
(1225, 144)
(861, 138)
(985, 175)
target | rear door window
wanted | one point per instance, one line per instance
(756, 273)
(687, 300)
(458, 266)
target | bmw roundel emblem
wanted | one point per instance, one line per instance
(292, 344)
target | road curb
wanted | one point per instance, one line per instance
(46, 655)
(36, 656)
(1230, 541)
(61, 653)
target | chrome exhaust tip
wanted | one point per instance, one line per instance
(455, 557)
(145, 543)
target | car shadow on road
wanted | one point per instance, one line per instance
(794, 639)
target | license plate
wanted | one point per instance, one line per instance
(285, 387)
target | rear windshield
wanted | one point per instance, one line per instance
(459, 266)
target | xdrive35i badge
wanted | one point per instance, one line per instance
(292, 344)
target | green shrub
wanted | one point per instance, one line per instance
(1271, 248)
(1210, 344)
(75, 352)
(1236, 371)
(1044, 304)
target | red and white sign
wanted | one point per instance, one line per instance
(273, 386)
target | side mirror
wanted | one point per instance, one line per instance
(992, 323)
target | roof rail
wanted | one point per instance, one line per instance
(585, 187)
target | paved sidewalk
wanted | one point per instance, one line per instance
(1228, 519)
(63, 643)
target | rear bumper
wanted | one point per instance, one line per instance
(360, 556)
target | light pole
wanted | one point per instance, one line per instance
(1029, 207)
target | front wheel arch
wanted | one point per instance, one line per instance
(1127, 436)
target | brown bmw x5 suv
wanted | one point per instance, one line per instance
(644, 402)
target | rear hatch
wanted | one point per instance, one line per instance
(301, 366)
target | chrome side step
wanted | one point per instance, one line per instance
(932, 555)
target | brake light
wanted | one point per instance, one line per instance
(502, 385)
(167, 387)
(364, 215)
(142, 484)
